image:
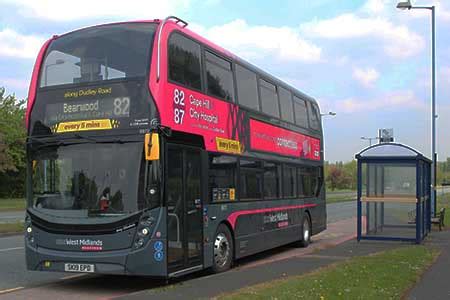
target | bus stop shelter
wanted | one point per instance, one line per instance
(393, 193)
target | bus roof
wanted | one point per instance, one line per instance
(215, 47)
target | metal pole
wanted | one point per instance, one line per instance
(433, 108)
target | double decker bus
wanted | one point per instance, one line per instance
(152, 151)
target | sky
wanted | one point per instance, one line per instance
(363, 59)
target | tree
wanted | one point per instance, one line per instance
(12, 145)
(334, 176)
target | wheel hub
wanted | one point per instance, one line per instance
(221, 250)
(306, 230)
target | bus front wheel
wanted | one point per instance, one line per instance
(306, 231)
(223, 249)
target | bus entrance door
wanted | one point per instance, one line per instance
(184, 208)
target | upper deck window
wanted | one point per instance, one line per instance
(269, 99)
(184, 61)
(301, 114)
(219, 77)
(247, 88)
(314, 116)
(98, 53)
(287, 113)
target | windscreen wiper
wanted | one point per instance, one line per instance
(95, 140)
(84, 137)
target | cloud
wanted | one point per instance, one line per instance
(366, 76)
(14, 44)
(63, 11)
(442, 10)
(14, 83)
(285, 43)
(399, 99)
(398, 41)
(376, 6)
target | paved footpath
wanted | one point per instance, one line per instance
(311, 259)
(435, 283)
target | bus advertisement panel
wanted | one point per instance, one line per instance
(269, 138)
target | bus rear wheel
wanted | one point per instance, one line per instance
(306, 231)
(223, 249)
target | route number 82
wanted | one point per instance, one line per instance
(178, 100)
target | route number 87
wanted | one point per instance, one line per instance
(178, 113)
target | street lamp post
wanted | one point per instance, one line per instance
(407, 5)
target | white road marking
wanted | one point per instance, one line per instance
(11, 290)
(11, 249)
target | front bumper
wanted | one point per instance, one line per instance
(143, 261)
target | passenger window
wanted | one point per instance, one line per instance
(251, 174)
(314, 116)
(222, 177)
(184, 61)
(271, 181)
(289, 182)
(287, 113)
(247, 88)
(219, 77)
(310, 181)
(301, 114)
(269, 99)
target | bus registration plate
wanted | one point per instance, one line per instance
(85, 268)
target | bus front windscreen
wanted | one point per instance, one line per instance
(88, 180)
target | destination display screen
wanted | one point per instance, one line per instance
(106, 108)
(113, 106)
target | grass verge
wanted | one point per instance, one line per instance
(15, 227)
(338, 198)
(386, 275)
(12, 204)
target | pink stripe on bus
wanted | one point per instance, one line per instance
(232, 218)
(34, 81)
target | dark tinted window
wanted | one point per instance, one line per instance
(222, 177)
(314, 116)
(251, 174)
(289, 182)
(271, 180)
(287, 112)
(309, 181)
(247, 88)
(184, 61)
(219, 77)
(301, 115)
(99, 53)
(269, 99)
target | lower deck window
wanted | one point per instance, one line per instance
(251, 175)
(222, 177)
(309, 181)
(271, 180)
(230, 176)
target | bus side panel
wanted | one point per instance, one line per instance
(257, 226)
(319, 213)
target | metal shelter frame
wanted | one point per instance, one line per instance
(398, 155)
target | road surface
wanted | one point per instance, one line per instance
(11, 216)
